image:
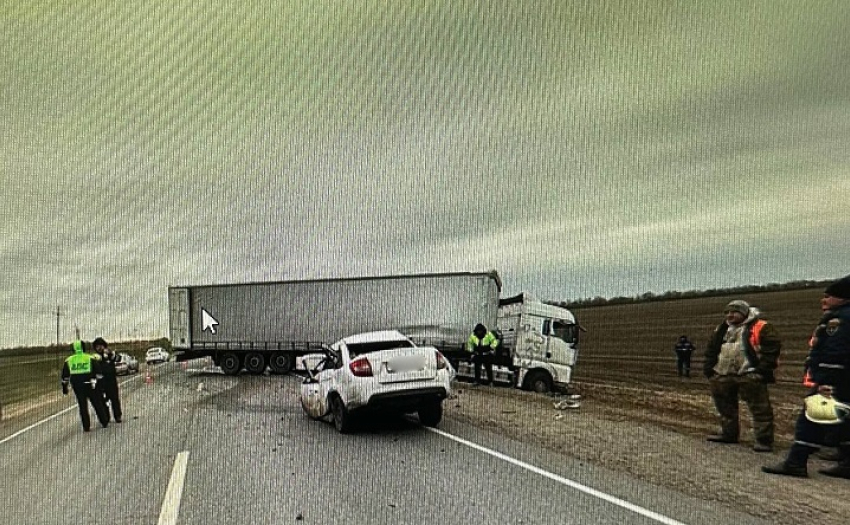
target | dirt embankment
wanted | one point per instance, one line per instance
(638, 417)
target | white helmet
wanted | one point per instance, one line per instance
(825, 410)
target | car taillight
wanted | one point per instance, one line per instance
(360, 367)
(441, 361)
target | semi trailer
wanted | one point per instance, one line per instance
(260, 325)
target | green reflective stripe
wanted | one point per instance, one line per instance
(79, 364)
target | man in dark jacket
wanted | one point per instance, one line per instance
(80, 370)
(109, 383)
(684, 348)
(740, 361)
(829, 373)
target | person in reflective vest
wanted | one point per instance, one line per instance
(482, 345)
(740, 360)
(80, 370)
(828, 375)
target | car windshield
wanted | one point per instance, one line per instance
(365, 348)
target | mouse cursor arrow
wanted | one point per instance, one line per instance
(207, 321)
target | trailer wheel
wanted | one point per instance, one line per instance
(255, 363)
(281, 363)
(341, 415)
(538, 381)
(230, 364)
(431, 414)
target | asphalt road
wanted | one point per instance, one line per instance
(202, 448)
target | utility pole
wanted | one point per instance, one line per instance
(57, 324)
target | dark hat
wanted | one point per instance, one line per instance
(840, 288)
(99, 342)
(480, 329)
(742, 307)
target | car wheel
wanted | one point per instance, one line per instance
(341, 415)
(255, 363)
(538, 381)
(230, 364)
(281, 363)
(431, 415)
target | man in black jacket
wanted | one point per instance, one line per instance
(109, 383)
(829, 370)
(740, 361)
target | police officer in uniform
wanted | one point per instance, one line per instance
(482, 345)
(108, 385)
(829, 373)
(81, 370)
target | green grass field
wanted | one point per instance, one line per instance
(29, 373)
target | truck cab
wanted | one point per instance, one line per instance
(540, 343)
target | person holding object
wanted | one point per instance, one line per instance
(80, 370)
(108, 384)
(828, 374)
(482, 346)
(740, 360)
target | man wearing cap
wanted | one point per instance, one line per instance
(80, 370)
(740, 361)
(108, 384)
(829, 371)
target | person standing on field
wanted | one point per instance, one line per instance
(740, 361)
(828, 375)
(684, 348)
(109, 383)
(80, 371)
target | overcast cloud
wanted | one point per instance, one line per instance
(579, 148)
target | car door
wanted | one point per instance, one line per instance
(317, 385)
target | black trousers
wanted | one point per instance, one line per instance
(85, 395)
(683, 363)
(109, 386)
(486, 360)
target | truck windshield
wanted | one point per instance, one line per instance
(365, 348)
(564, 331)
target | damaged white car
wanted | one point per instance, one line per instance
(382, 371)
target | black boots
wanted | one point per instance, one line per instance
(794, 465)
(842, 469)
(720, 438)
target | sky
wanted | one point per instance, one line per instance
(581, 149)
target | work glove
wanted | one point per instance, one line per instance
(93, 382)
(64, 389)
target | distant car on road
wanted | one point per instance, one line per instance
(377, 371)
(126, 364)
(156, 355)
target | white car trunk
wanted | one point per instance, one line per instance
(403, 364)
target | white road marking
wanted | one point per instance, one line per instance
(171, 503)
(48, 418)
(45, 420)
(562, 480)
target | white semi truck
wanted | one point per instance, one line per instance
(254, 326)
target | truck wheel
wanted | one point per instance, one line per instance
(341, 415)
(281, 363)
(431, 414)
(230, 364)
(255, 363)
(538, 381)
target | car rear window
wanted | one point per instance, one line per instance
(365, 348)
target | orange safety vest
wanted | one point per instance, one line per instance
(807, 378)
